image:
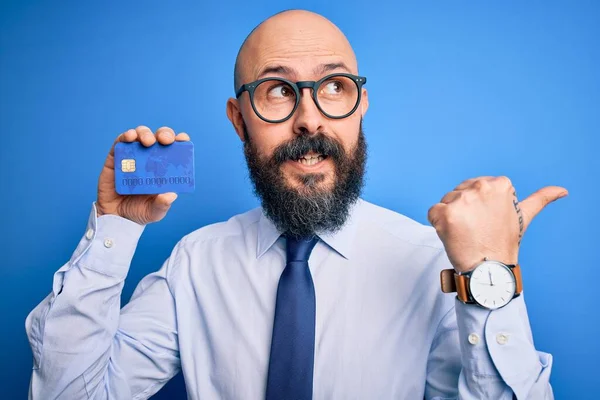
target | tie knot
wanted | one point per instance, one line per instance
(299, 249)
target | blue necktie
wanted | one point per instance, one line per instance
(293, 344)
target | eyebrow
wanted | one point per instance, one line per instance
(321, 69)
(286, 71)
(277, 70)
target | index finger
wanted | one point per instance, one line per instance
(126, 137)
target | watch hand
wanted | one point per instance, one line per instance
(490, 274)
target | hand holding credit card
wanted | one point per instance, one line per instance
(143, 174)
(155, 169)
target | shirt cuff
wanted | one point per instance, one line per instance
(497, 342)
(108, 244)
(510, 343)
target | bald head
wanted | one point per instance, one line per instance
(298, 41)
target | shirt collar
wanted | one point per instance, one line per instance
(340, 241)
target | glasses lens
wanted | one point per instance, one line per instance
(338, 95)
(274, 99)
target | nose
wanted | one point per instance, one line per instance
(307, 118)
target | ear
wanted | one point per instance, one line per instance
(364, 102)
(234, 113)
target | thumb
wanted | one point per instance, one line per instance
(165, 200)
(535, 203)
(161, 205)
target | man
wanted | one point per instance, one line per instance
(317, 294)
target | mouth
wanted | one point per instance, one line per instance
(310, 159)
(310, 163)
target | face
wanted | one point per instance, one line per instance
(310, 155)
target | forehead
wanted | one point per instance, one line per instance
(304, 45)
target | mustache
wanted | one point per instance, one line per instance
(306, 143)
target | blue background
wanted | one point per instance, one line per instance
(457, 89)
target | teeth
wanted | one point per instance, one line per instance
(312, 160)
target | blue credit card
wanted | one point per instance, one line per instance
(155, 169)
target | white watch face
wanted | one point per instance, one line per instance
(492, 284)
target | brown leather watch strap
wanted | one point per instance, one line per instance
(518, 279)
(453, 282)
(447, 281)
(462, 287)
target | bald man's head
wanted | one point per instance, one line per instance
(290, 33)
(307, 168)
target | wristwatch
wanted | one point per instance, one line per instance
(491, 285)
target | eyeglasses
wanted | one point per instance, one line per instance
(275, 100)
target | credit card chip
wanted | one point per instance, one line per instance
(128, 165)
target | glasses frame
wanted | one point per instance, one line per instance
(359, 81)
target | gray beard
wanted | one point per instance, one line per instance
(307, 210)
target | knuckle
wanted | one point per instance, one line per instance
(482, 185)
(465, 184)
(467, 197)
(453, 215)
(452, 196)
(504, 181)
(450, 215)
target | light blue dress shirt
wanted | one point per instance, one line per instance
(384, 329)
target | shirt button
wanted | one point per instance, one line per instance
(89, 234)
(502, 338)
(108, 243)
(473, 338)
